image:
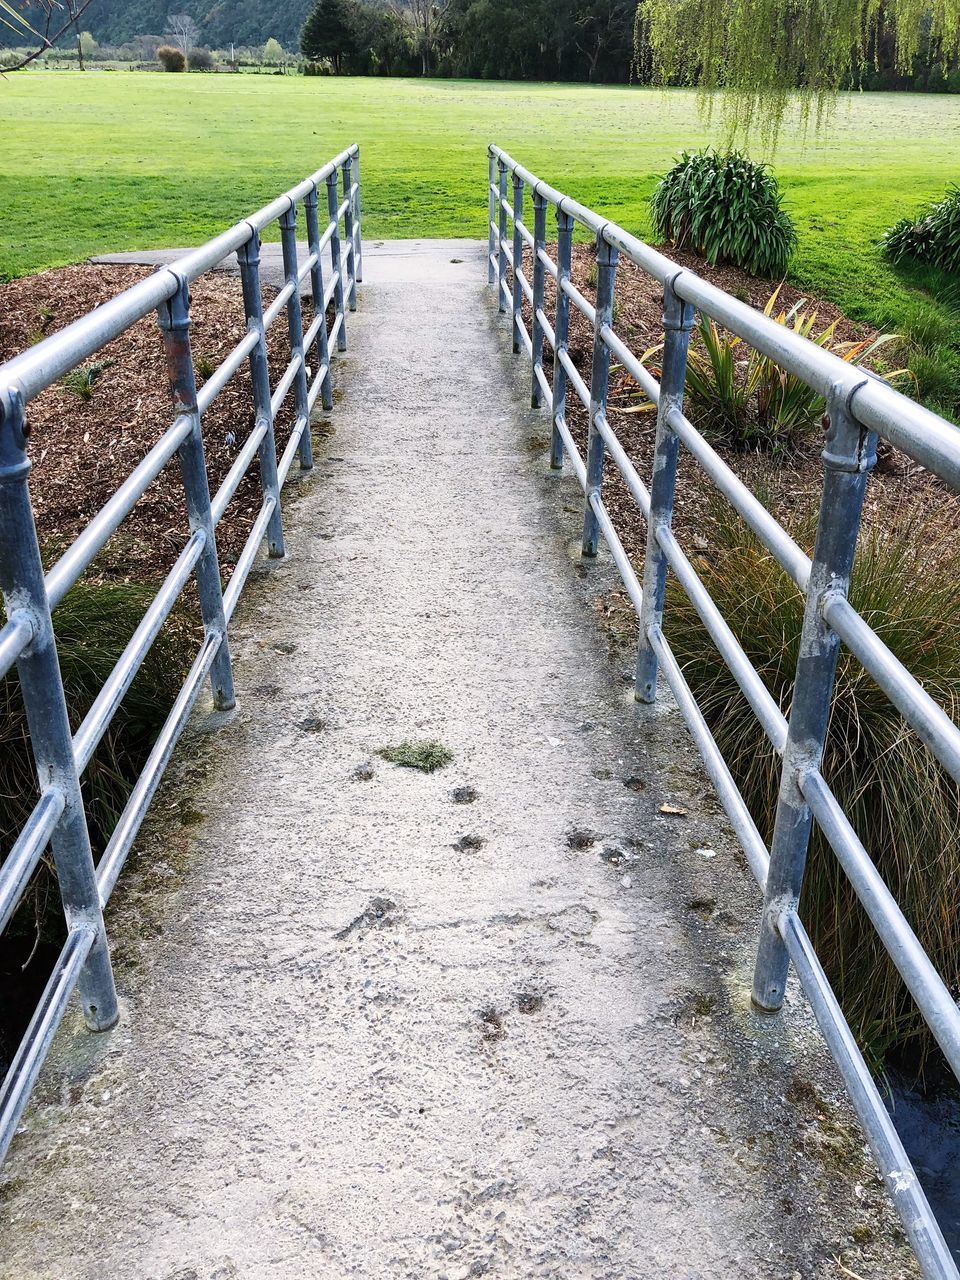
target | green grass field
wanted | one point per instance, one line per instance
(109, 161)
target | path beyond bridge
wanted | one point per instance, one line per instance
(492, 1021)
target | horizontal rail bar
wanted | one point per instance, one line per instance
(620, 557)
(895, 1167)
(329, 291)
(73, 561)
(316, 386)
(639, 491)
(225, 371)
(507, 252)
(525, 286)
(231, 480)
(326, 236)
(573, 377)
(548, 262)
(284, 385)
(525, 338)
(278, 304)
(730, 797)
(772, 534)
(125, 832)
(633, 366)
(310, 337)
(21, 862)
(931, 723)
(547, 327)
(525, 235)
(16, 634)
(105, 705)
(334, 330)
(248, 554)
(307, 267)
(546, 389)
(579, 301)
(25, 1067)
(39, 366)
(573, 453)
(289, 453)
(912, 962)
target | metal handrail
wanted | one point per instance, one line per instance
(860, 408)
(30, 597)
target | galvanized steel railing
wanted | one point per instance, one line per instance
(860, 408)
(30, 595)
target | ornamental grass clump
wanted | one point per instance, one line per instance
(932, 239)
(726, 208)
(902, 803)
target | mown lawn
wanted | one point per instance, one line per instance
(108, 161)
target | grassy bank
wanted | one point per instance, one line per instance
(102, 161)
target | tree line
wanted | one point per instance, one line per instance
(588, 40)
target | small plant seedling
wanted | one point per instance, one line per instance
(426, 755)
(205, 368)
(80, 380)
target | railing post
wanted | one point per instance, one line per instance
(599, 383)
(517, 261)
(539, 286)
(174, 318)
(336, 259)
(21, 580)
(348, 233)
(677, 323)
(248, 256)
(849, 454)
(491, 216)
(561, 332)
(501, 233)
(310, 204)
(358, 234)
(288, 247)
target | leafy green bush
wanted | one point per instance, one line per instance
(728, 209)
(742, 398)
(901, 802)
(933, 238)
(92, 625)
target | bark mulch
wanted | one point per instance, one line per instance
(82, 450)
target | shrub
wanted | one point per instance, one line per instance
(200, 60)
(171, 58)
(726, 208)
(743, 398)
(901, 802)
(933, 238)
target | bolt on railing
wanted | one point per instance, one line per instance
(860, 407)
(30, 597)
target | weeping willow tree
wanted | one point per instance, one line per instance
(762, 55)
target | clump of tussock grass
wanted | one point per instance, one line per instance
(902, 803)
(427, 755)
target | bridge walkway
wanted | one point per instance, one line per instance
(489, 1021)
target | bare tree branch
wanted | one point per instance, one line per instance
(75, 13)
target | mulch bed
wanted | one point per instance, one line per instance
(82, 450)
(788, 483)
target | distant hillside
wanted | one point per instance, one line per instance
(245, 22)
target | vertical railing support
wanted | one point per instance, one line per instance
(348, 233)
(336, 258)
(248, 257)
(599, 383)
(491, 217)
(21, 580)
(288, 247)
(517, 261)
(561, 333)
(677, 323)
(849, 454)
(357, 231)
(310, 204)
(174, 318)
(501, 235)
(539, 286)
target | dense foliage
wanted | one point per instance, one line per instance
(726, 208)
(764, 53)
(902, 804)
(933, 238)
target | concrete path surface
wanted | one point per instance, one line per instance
(490, 1021)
